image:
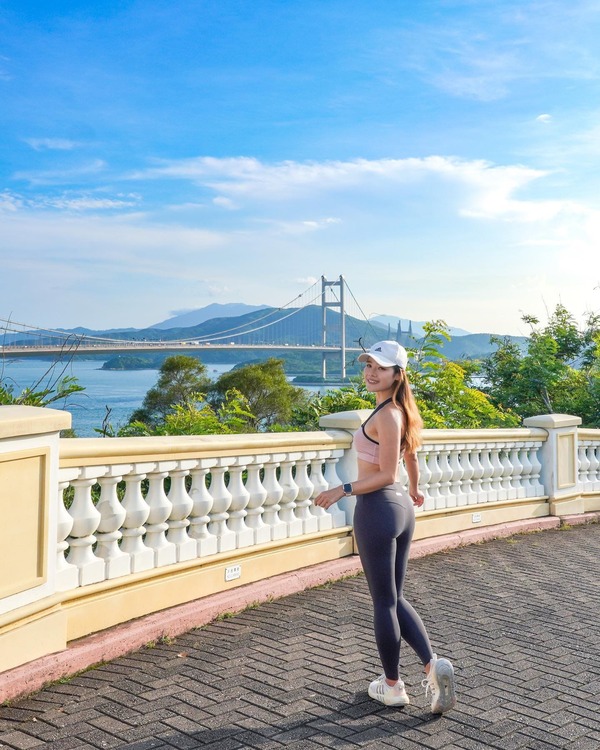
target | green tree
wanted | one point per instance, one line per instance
(181, 379)
(196, 417)
(558, 371)
(445, 391)
(270, 397)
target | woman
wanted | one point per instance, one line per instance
(384, 522)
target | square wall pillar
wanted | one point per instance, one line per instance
(29, 455)
(559, 462)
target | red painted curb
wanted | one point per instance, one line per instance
(130, 636)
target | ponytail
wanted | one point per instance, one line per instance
(403, 398)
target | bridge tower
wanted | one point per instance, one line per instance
(330, 301)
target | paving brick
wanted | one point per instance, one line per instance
(518, 617)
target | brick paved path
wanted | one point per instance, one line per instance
(519, 618)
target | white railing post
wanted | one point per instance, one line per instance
(112, 514)
(181, 507)
(206, 542)
(159, 510)
(86, 519)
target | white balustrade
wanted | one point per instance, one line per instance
(220, 503)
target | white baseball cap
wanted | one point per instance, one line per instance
(386, 354)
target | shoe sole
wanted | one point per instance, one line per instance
(447, 696)
(390, 702)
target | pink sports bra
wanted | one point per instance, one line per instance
(366, 448)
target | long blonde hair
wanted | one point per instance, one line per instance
(403, 398)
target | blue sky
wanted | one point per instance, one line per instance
(158, 156)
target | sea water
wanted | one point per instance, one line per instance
(110, 394)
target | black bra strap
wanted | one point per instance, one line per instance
(377, 408)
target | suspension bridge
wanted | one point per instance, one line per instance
(325, 318)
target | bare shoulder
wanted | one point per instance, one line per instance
(390, 417)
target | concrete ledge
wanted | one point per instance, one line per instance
(122, 639)
(579, 520)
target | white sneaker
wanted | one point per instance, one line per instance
(440, 681)
(389, 695)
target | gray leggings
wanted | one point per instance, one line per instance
(384, 522)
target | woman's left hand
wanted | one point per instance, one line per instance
(329, 497)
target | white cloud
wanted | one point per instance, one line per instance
(61, 176)
(544, 118)
(52, 144)
(224, 202)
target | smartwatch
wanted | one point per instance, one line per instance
(347, 488)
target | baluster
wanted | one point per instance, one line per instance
(206, 543)
(85, 522)
(504, 493)
(444, 500)
(182, 505)
(290, 493)
(526, 471)
(594, 459)
(67, 575)
(424, 478)
(435, 499)
(486, 477)
(218, 514)
(518, 490)
(496, 493)
(310, 523)
(457, 473)
(476, 494)
(584, 466)
(536, 470)
(160, 507)
(116, 562)
(324, 518)
(239, 500)
(271, 516)
(133, 530)
(468, 470)
(341, 511)
(257, 495)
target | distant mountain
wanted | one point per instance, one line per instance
(202, 314)
(416, 325)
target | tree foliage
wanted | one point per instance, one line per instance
(557, 372)
(270, 397)
(181, 379)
